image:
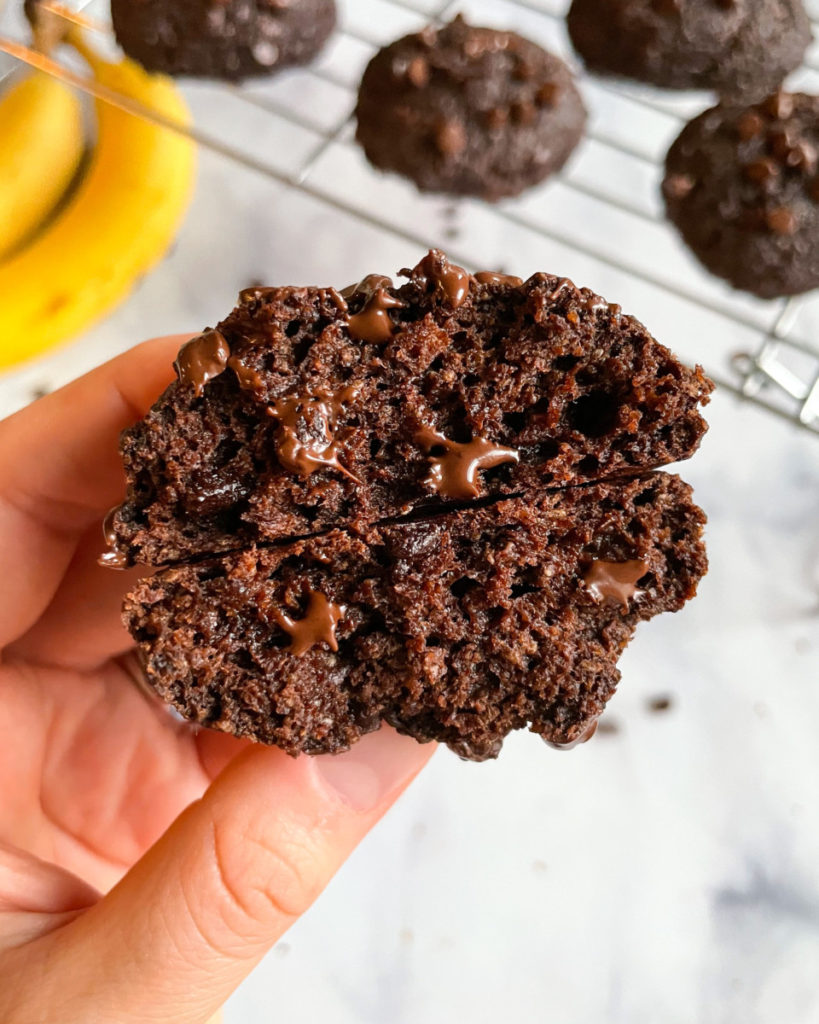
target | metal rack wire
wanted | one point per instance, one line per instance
(780, 369)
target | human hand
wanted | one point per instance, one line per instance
(207, 848)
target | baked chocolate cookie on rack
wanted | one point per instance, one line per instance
(742, 188)
(229, 39)
(739, 48)
(468, 111)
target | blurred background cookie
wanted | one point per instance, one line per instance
(469, 111)
(229, 39)
(741, 186)
(735, 47)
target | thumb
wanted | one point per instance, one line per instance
(183, 928)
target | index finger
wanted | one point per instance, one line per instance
(60, 472)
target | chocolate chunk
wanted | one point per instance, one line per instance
(114, 557)
(372, 322)
(614, 582)
(305, 439)
(202, 359)
(490, 277)
(455, 466)
(436, 275)
(450, 137)
(781, 220)
(249, 379)
(418, 72)
(583, 736)
(318, 625)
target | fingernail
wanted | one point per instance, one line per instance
(375, 767)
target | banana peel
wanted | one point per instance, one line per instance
(43, 143)
(115, 227)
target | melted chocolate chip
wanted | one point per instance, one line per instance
(584, 737)
(372, 322)
(437, 275)
(255, 293)
(113, 558)
(454, 471)
(249, 379)
(490, 277)
(562, 284)
(318, 625)
(597, 304)
(305, 438)
(202, 359)
(614, 583)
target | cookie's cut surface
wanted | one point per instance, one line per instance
(458, 628)
(308, 410)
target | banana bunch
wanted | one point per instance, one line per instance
(112, 228)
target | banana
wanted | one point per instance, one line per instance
(42, 132)
(114, 228)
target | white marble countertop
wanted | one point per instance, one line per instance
(668, 871)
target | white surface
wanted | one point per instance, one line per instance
(667, 874)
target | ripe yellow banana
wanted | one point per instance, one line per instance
(42, 145)
(115, 227)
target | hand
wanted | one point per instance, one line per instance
(207, 848)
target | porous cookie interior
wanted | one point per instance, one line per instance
(310, 408)
(457, 628)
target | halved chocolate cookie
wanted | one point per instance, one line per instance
(309, 408)
(458, 628)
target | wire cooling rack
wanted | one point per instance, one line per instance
(601, 218)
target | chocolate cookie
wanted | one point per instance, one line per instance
(740, 48)
(309, 408)
(741, 186)
(457, 628)
(230, 39)
(468, 111)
